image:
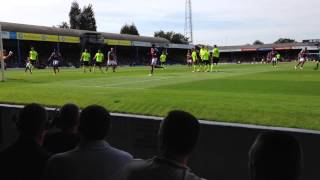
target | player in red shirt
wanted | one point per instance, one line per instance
(303, 55)
(154, 59)
(189, 59)
(273, 58)
(56, 59)
(112, 60)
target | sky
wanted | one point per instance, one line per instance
(221, 22)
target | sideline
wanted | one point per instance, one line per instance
(203, 122)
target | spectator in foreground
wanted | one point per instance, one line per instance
(275, 156)
(178, 136)
(94, 158)
(26, 159)
(67, 138)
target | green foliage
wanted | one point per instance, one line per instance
(74, 15)
(171, 36)
(129, 29)
(82, 19)
(64, 25)
(88, 21)
(284, 40)
(254, 94)
(258, 42)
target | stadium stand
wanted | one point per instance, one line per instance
(130, 49)
(255, 53)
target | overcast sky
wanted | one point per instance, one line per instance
(222, 22)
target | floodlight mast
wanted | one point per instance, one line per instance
(1, 55)
(188, 27)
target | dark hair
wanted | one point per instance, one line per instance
(179, 133)
(276, 156)
(32, 120)
(68, 117)
(94, 122)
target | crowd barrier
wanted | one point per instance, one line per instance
(221, 153)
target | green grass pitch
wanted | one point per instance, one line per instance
(253, 94)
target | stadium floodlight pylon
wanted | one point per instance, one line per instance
(1, 55)
(188, 27)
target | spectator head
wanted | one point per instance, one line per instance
(32, 121)
(94, 123)
(68, 117)
(178, 133)
(275, 156)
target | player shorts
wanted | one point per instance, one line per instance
(195, 61)
(302, 59)
(206, 62)
(55, 63)
(32, 62)
(28, 65)
(112, 63)
(274, 59)
(189, 61)
(98, 64)
(154, 61)
(215, 60)
(86, 63)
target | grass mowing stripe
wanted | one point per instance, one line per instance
(255, 94)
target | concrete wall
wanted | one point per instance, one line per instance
(222, 151)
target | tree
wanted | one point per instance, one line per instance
(258, 42)
(162, 34)
(129, 29)
(178, 38)
(87, 20)
(84, 19)
(64, 25)
(74, 15)
(173, 37)
(284, 40)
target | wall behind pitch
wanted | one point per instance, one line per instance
(221, 153)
